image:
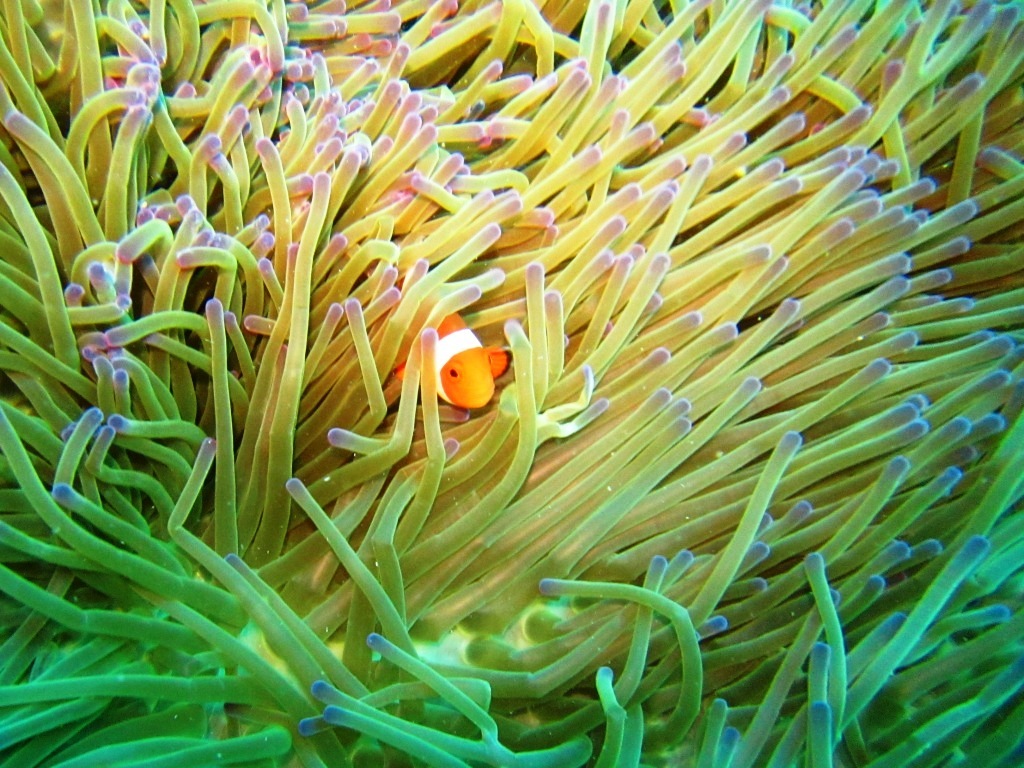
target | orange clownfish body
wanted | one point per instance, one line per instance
(465, 369)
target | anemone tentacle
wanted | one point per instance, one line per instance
(750, 494)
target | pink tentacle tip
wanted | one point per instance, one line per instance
(264, 96)
(402, 50)
(165, 212)
(383, 145)
(659, 356)
(493, 129)
(702, 118)
(144, 215)
(390, 297)
(542, 218)
(97, 272)
(549, 587)
(104, 342)
(209, 145)
(399, 197)
(73, 294)
(512, 327)
(360, 42)
(90, 352)
(264, 146)
(262, 245)
(451, 447)
(892, 71)
(334, 313)
(135, 97)
(428, 114)
(185, 91)
(296, 70)
(439, 28)
(185, 205)
(214, 308)
(296, 12)
(779, 96)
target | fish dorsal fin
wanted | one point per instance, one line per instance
(450, 325)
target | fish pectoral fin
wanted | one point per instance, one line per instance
(500, 359)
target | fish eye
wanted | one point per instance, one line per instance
(453, 373)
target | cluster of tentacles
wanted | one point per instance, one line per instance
(750, 494)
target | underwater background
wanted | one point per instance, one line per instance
(750, 494)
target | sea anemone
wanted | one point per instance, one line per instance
(750, 494)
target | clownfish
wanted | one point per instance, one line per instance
(464, 368)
